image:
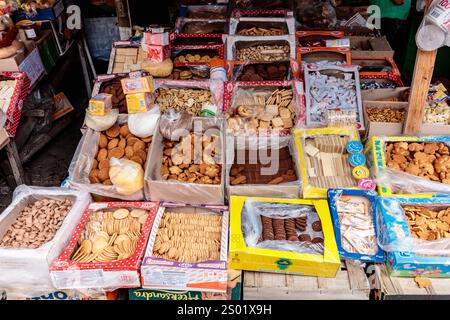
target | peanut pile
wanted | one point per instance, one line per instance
(385, 115)
(37, 224)
(263, 53)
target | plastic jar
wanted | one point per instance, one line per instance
(217, 70)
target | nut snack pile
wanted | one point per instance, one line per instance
(327, 162)
(429, 160)
(183, 161)
(189, 100)
(188, 237)
(255, 110)
(37, 224)
(110, 235)
(385, 114)
(356, 225)
(428, 223)
(250, 172)
(117, 142)
(268, 52)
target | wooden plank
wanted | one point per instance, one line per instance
(357, 278)
(15, 163)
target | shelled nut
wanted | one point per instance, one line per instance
(189, 100)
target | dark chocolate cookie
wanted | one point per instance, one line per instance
(317, 226)
(317, 240)
(304, 237)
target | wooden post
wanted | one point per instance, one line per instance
(423, 72)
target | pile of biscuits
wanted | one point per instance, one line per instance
(263, 72)
(385, 114)
(189, 100)
(36, 224)
(191, 58)
(428, 223)
(195, 159)
(429, 160)
(271, 110)
(110, 235)
(188, 237)
(290, 229)
(263, 53)
(117, 142)
(187, 73)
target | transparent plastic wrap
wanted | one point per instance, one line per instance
(187, 95)
(331, 87)
(87, 170)
(188, 240)
(173, 122)
(282, 226)
(414, 224)
(173, 175)
(311, 13)
(434, 31)
(201, 55)
(256, 164)
(106, 250)
(27, 268)
(354, 220)
(411, 165)
(190, 73)
(260, 71)
(266, 107)
(269, 48)
(101, 123)
(144, 124)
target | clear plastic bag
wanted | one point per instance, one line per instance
(311, 13)
(126, 175)
(25, 268)
(434, 31)
(398, 218)
(253, 229)
(173, 124)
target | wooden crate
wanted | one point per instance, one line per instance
(396, 288)
(350, 283)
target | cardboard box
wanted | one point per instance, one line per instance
(287, 24)
(372, 66)
(156, 54)
(373, 47)
(281, 190)
(162, 274)
(371, 198)
(12, 63)
(25, 268)
(376, 153)
(268, 260)
(315, 54)
(383, 128)
(125, 273)
(378, 95)
(397, 234)
(335, 71)
(51, 13)
(234, 286)
(310, 191)
(126, 56)
(317, 36)
(157, 189)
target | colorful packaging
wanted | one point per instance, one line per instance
(139, 102)
(137, 85)
(100, 104)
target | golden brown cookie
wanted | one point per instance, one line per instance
(137, 159)
(122, 143)
(116, 153)
(124, 131)
(103, 164)
(103, 141)
(113, 143)
(102, 155)
(129, 152)
(113, 132)
(141, 154)
(107, 182)
(94, 164)
(103, 174)
(139, 145)
(147, 140)
(131, 141)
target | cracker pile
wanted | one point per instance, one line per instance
(188, 237)
(428, 224)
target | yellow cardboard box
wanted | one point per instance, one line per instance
(137, 85)
(308, 190)
(138, 102)
(100, 105)
(256, 259)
